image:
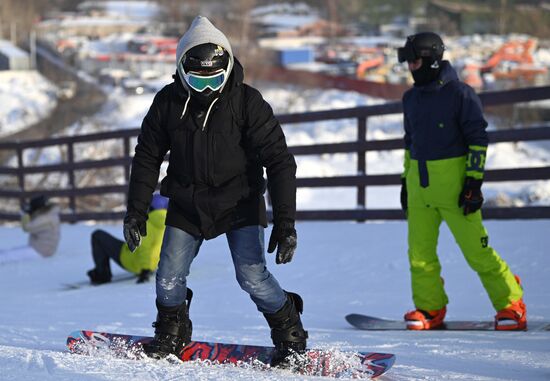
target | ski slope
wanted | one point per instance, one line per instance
(339, 268)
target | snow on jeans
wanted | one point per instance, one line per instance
(247, 251)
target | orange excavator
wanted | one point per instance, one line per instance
(514, 60)
(373, 58)
(470, 75)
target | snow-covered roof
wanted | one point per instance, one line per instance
(287, 20)
(11, 50)
(92, 21)
(129, 9)
(286, 8)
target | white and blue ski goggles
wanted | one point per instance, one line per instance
(200, 82)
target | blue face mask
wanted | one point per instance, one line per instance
(200, 82)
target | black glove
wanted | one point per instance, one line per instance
(144, 276)
(134, 229)
(471, 197)
(283, 237)
(404, 202)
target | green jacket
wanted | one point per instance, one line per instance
(146, 256)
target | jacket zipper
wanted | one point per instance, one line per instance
(209, 146)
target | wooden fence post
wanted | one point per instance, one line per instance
(361, 160)
(20, 175)
(72, 183)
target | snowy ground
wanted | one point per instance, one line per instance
(339, 268)
(26, 98)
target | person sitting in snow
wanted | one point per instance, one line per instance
(445, 149)
(221, 133)
(143, 261)
(41, 220)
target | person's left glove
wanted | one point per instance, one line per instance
(134, 228)
(284, 238)
(471, 197)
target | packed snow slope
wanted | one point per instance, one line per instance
(339, 268)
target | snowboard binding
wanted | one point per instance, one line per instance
(173, 330)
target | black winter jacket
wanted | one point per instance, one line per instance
(215, 174)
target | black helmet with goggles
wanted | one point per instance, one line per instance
(204, 67)
(422, 45)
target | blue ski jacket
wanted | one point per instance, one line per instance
(442, 120)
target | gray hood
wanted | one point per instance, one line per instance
(202, 31)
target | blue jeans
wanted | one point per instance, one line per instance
(247, 251)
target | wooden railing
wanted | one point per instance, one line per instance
(360, 147)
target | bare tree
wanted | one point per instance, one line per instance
(237, 25)
(17, 17)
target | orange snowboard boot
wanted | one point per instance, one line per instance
(420, 319)
(513, 317)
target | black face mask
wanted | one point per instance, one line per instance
(426, 74)
(205, 97)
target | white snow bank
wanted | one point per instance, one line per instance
(26, 98)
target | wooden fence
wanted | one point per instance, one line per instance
(360, 147)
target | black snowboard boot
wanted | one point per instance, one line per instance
(97, 278)
(287, 332)
(173, 330)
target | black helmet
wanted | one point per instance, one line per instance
(35, 203)
(426, 44)
(205, 57)
(205, 69)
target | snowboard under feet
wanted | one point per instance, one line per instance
(315, 362)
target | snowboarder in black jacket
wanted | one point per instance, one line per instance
(220, 133)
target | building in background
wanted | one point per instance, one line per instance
(13, 58)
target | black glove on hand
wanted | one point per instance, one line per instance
(134, 229)
(283, 237)
(471, 197)
(144, 276)
(404, 202)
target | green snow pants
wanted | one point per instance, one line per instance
(427, 208)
